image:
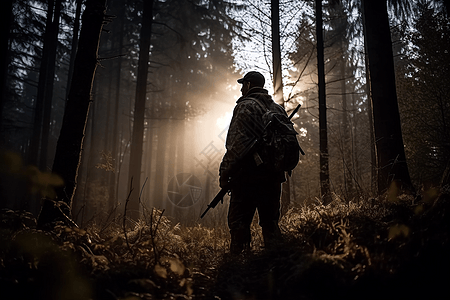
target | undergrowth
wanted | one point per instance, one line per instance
(371, 249)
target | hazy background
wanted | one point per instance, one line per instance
(198, 51)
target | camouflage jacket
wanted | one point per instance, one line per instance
(246, 125)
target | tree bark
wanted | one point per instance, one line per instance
(161, 149)
(70, 142)
(73, 53)
(139, 108)
(114, 176)
(33, 155)
(278, 88)
(5, 19)
(373, 154)
(347, 150)
(323, 131)
(391, 159)
(49, 80)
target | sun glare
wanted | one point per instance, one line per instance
(223, 121)
(303, 132)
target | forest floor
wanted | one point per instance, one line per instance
(371, 249)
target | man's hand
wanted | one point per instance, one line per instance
(224, 180)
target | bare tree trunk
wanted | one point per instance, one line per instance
(114, 176)
(278, 88)
(325, 190)
(70, 142)
(162, 133)
(73, 53)
(139, 108)
(391, 158)
(373, 154)
(347, 152)
(48, 93)
(172, 151)
(323, 131)
(180, 126)
(33, 155)
(5, 21)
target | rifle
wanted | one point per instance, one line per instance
(219, 197)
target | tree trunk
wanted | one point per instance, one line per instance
(73, 52)
(180, 131)
(48, 93)
(161, 149)
(172, 169)
(276, 53)
(113, 180)
(347, 153)
(70, 142)
(5, 21)
(373, 154)
(323, 132)
(391, 159)
(33, 154)
(278, 88)
(139, 108)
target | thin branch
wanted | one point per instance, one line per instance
(124, 218)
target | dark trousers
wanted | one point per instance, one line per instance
(245, 200)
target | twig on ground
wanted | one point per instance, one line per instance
(153, 233)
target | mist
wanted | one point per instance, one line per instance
(195, 58)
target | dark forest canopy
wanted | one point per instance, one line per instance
(197, 51)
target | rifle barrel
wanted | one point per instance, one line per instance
(215, 201)
(295, 111)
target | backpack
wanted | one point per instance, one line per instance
(280, 150)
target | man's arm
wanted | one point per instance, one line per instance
(245, 128)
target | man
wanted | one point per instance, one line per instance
(254, 186)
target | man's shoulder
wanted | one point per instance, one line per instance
(264, 103)
(247, 102)
(252, 105)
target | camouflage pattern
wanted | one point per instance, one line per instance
(246, 125)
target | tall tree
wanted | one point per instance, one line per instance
(278, 86)
(113, 180)
(70, 142)
(5, 19)
(45, 85)
(325, 190)
(48, 90)
(391, 159)
(139, 106)
(73, 52)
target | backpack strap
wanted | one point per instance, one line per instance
(256, 157)
(261, 104)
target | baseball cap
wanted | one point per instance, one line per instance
(254, 77)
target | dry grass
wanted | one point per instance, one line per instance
(367, 249)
